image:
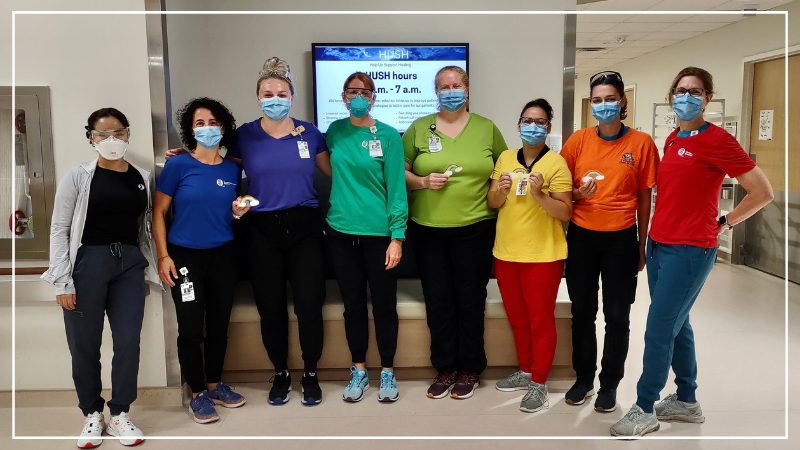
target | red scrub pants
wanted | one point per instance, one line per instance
(529, 292)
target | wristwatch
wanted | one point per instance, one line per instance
(723, 221)
(399, 239)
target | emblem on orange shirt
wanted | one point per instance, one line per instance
(627, 158)
(593, 175)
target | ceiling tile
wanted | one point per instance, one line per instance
(738, 5)
(686, 5)
(658, 18)
(580, 37)
(609, 37)
(619, 5)
(652, 43)
(638, 27)
(633, 51)
(724, 18)
(679, 35)
(594, 27)
(602, 18)
(694, 26)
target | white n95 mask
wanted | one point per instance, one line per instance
(111, 148)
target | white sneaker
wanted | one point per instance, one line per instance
(121, 426)
(92, 431)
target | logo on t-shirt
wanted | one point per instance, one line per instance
(627, 158)
(141, 187)
(221, 183)
(683, 152)
(593, 175)
(451, 169)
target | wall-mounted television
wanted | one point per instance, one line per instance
(403, 75)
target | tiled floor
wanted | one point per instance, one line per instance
(739, 327)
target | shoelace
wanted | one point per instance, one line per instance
(516, 376)
(467, 378)
(387, 380)
(203, 402)
(445, 378)
(356, 379)
(91, 423)
(124, 421)
(225, 389)
(539, 394)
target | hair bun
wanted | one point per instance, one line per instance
(275, 67)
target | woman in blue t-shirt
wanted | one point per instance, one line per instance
(198, 259)
(284, 230)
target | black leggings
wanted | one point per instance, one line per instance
(614, 255)
(359, 260)
(287, 245)
(213, 274)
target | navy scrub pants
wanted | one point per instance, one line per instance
(676, 273)
(109, 280)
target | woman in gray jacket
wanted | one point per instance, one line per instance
(100, 255)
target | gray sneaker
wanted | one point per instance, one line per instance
(517, 381)
(636, 423)
(535, 399)
(673, 409)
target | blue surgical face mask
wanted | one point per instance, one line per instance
(532, 134)
(208, 137)
(359, 106)
(452, 99)
(275, 108)
(605, 112)
(687, 107)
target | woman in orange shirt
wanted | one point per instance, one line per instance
(614, 170)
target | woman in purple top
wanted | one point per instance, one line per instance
(279, 155)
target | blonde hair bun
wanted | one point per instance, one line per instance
(275, 67)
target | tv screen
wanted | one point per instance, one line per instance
(403, 75)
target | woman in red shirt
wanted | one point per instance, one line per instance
(682, 248)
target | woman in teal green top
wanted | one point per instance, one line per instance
(366, 229)
(449, 162)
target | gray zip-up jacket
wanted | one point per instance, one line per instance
(69, 217)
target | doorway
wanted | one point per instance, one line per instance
(765, 232)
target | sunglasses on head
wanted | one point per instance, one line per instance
(604, 77)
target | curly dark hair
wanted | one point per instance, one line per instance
(102, 113)
(185, 119)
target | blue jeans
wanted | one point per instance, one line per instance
(675, 273)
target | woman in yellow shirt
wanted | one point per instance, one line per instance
(532, 187)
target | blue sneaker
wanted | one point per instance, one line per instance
(202, 408)
(224, 395)
(354, 391)
(388, 391)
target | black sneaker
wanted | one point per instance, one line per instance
(606, 400)
(578, 394)
(312, 393)
(281, 386)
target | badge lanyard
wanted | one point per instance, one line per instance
(302, 145)
(434, 141)
(187, 287)
(522, 184)
(375, 149)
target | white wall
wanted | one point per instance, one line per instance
(89, 61)
(719, 51)
(513, 58)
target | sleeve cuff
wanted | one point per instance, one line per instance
(399, 234)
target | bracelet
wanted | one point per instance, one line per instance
(237, 217)
(163, 257)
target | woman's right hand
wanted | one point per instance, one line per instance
(66, 301)
(166, 271)
(436, 180)
(173, 152)
(504, 183)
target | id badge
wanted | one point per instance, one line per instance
(187, 292)
(375, 149)
(302, 147)
(522, 185)
(434, 144)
